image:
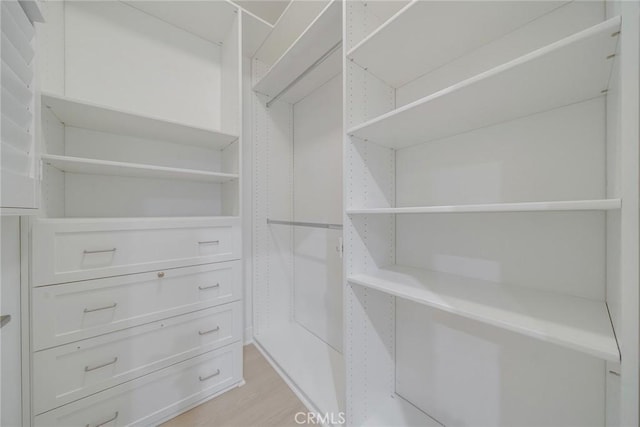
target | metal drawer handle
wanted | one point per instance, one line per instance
(204, 288)
(101, 251)
(105, 422)
(215, 374)
(210, 331)
(209, 242)
(93, 368)
(91, 310)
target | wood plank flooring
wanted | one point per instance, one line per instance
(264, 401)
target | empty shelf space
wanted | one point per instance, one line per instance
(313, 59)
(573, 322)
(73, 112)
(547, 78)
(106, 167)
(571, 205)
(425, 35)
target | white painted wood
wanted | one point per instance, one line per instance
(433, 33)
(571, 17)
(210, 20)
(321, 35)
(141, 244)
(74, 112)
(570, 205)
(547, 78)
(323, 73)
(19, 177)
(254, 32)
(467, 373)
(139, 298)
(106, 167)
(60, 374)
(521, 248)
(152, 397)
(309, 362)
(291, 24)
(11, 333)
(504, 163)
(572, 322)
(366, 16)
(170, 74)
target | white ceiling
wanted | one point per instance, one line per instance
(269, 10)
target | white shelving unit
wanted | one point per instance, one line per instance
(312, 60)
(475, 205)
(542, 80)
(82, 114)
(141, 199)
(569, 205)
(105, 167)
(573, 322)
(297, 135)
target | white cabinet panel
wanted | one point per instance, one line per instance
(67, 373)
(59, 311)
(155, 396)
(78, 249)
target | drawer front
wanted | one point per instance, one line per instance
(154, 396)
(70, 372)
(71, 250)
(79, 310)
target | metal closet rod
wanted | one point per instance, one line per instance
(305, 72)
(305, 224)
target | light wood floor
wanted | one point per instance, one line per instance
(264, 401)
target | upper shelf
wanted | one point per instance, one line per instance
(547, 78)
(425, 35)
(210, 20)
(577, 323)
(136, 170)
(83, 114)
(560, 205)
(310, 61)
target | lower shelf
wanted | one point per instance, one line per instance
(577, 323)
(396, 411)
(311, 364)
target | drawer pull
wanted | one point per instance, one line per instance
(215, 374)
(105, 422)
(204, 288)
(101, 251)
(209, 242)
(210, 331)
(106, 307)
(93, 368)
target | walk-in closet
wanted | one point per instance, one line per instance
(355, 213)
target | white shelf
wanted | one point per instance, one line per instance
(577, 323)
(547, 78)
(396, 411)
(210, 20)
(571, 205)
(321, 35)
(314, 366)
(106, 167)
(425, 35)
(87, 115)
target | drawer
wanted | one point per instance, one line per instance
(73, 371)
(154, 397)
(67, 250)
(74, 311)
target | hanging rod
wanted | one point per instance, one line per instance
(305, 72)
(306, 224)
